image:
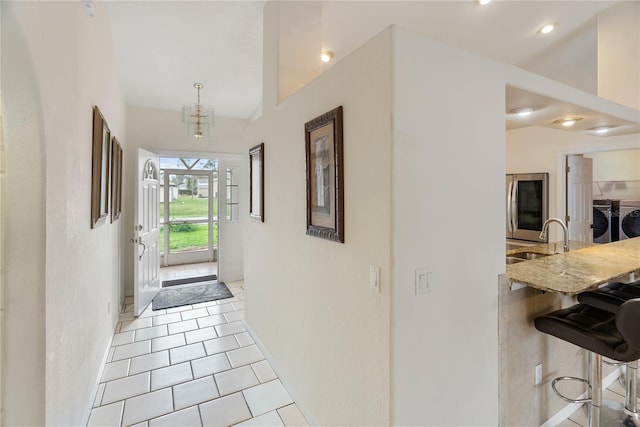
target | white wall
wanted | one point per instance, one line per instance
(537, 149)
(300, 38)
(23, 392)
(308, 299)
(162, 132)
(57, 63)
(619, 53)
(447, 198)
(619, 165)
(583, 73)
(2, 248)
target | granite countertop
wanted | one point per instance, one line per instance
(584, 267)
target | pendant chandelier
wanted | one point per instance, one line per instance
(197, 117)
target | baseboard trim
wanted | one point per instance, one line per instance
(292, 392)
(568, 410)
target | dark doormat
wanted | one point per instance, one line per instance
(187, 295)
(189, 280)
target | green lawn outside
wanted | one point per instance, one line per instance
(185, 207)
(189, 240)
(188, 207)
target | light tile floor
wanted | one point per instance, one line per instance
(190, 366)
(197, 366)
(188, 270)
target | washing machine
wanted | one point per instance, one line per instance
(629, 219)
(605, 221)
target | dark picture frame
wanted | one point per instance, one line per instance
(325, 176)
(100, 169)
(256, 182)
(116, 179)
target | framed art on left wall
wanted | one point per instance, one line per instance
(100, 169)
(116, 179)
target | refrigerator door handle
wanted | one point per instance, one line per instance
(510, 206)
(514, 205)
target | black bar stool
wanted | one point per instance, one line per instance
(602, 333)
(610, 298)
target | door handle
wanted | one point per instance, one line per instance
(144, 249)
(514, 204)
(510, 206)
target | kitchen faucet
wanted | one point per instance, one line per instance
(543, 234)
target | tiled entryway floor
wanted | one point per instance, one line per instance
(197, 366)
(190, 366)
(188, 270)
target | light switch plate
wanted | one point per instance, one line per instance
(374, 277)
(422, 285)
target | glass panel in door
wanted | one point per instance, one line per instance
(189, 210)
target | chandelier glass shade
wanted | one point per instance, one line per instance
(197, 117)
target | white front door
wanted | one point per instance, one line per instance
(579, 197)
(147, 231)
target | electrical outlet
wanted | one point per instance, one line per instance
(538, 374)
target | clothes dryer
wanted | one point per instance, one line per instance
(605, 221)
(629, 219)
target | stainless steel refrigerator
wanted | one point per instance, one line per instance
(527, 205)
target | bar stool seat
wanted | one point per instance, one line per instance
(587, 327)
(611, 296)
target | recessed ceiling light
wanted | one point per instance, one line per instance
(326, 56)
(483, 2)
(601, 129)
(568, 121)
(522, 111)
(547, 28)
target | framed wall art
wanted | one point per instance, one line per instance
(325, 177)
(100, 169)
(116, 179)
(256, 182)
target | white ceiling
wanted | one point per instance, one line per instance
(163, 47)
(548, 110)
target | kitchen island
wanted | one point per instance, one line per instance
(538, 286)
(586, 266)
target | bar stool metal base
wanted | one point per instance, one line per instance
(621, 379)
(613, 414)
